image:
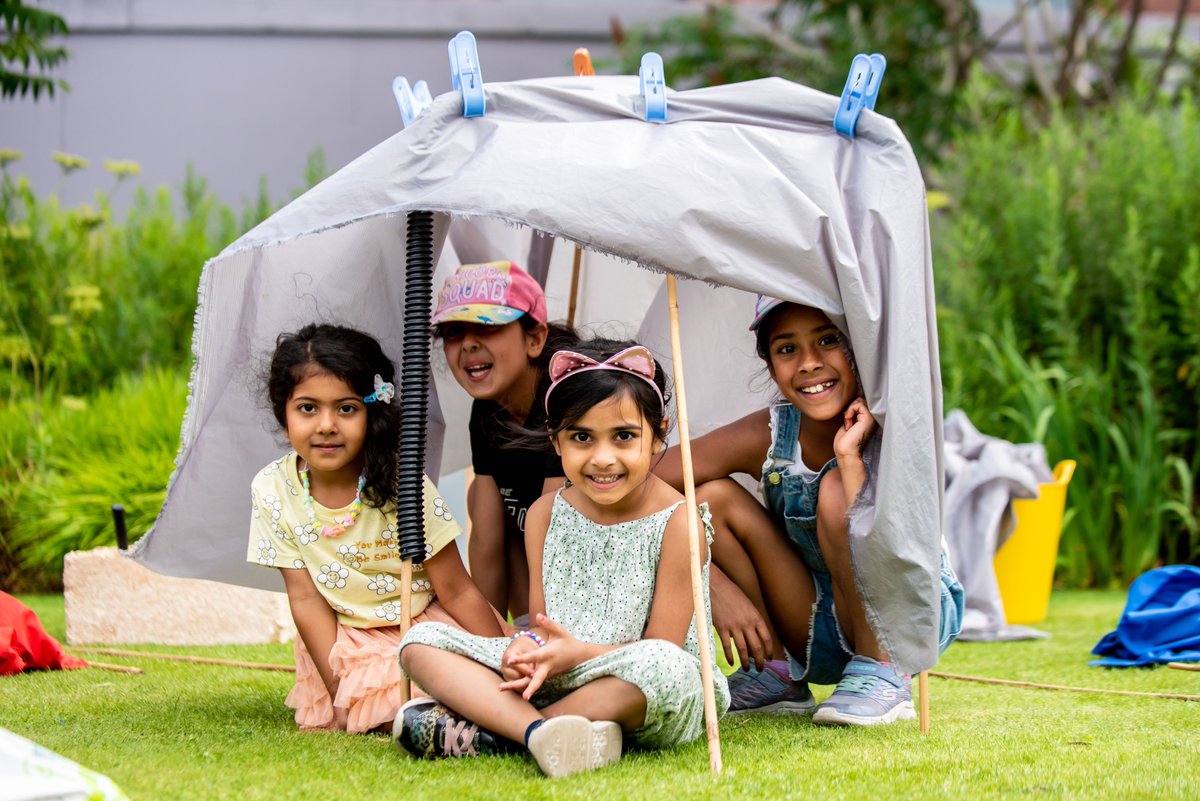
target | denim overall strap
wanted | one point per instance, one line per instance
(791, 497)
(785, 436)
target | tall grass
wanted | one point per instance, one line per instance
(80, 458)
(1069, 282)
(84, 298)
(88, 303)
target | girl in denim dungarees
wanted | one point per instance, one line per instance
(785, 586)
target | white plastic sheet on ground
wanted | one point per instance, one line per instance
(33, 773)
(746, 187)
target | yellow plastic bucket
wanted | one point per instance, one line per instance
(1025, 564)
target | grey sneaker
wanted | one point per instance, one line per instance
(769, 692)
(570, 743)
(869, 693)
(427, 730)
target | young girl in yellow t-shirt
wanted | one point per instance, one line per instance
(323, 515)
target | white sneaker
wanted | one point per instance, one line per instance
(571, 743)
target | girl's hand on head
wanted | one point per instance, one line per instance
(857, 425)
(561, 653)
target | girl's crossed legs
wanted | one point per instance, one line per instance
(472, 690)
(581, 731)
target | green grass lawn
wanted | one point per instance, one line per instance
(190, 731)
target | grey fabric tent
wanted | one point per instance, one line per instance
(745, 188)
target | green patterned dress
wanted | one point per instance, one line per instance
(598, 583)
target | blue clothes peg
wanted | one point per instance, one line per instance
(861, 91)
(465, 75)
(653, 87)
(878, 67)
(412, 100)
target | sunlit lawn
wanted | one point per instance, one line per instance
(183, 731)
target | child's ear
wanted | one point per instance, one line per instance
(660, 442)
(554, 441)
(536, 340)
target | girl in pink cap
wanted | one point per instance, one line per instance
(491, 319)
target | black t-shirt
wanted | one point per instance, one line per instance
(519, 472)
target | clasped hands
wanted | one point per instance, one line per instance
(526, 665)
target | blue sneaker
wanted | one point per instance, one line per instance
(770, 691)
(869, 693)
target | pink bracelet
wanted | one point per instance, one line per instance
(533, 635)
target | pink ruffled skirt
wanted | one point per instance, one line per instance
(369, 677)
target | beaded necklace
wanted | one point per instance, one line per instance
(342, 523)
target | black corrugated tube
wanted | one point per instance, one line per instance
(414, 386)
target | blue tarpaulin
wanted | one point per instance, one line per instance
(1161, 621)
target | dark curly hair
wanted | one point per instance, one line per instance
(355, 358)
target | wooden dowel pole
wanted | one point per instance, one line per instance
(115, 668)
(406, 572)
(703, 634)
(1037, 686)
(203, 660)
(1184, 665)
(923, 690)
(574, 288)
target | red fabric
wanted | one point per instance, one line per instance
(25, 645)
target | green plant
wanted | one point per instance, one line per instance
(67, 469)
(83, 299)
(25, 45)
(88, 303)
(1069, 286)
(1089, 55)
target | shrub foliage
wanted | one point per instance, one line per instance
(1068, 272)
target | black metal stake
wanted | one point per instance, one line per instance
(118, 513)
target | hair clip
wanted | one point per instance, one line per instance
(384, 391)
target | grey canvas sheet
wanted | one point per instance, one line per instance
(746, 188)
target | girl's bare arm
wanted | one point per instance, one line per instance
(315, 621)
(485, 549)
(857, 425)
(672, 608)
(459, 595)
(737, 447)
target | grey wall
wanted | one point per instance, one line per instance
(245, 89)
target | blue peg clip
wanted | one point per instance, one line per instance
(653, 87)
(861, 91)
(465, 75)
(412, 100)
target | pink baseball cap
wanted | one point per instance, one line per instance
(492, 293)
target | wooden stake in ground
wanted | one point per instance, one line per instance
(923, 690)
(1184, 665)
(406, 571)
(116, 668)
(689, 494)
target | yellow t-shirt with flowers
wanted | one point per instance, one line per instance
(358, 573)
